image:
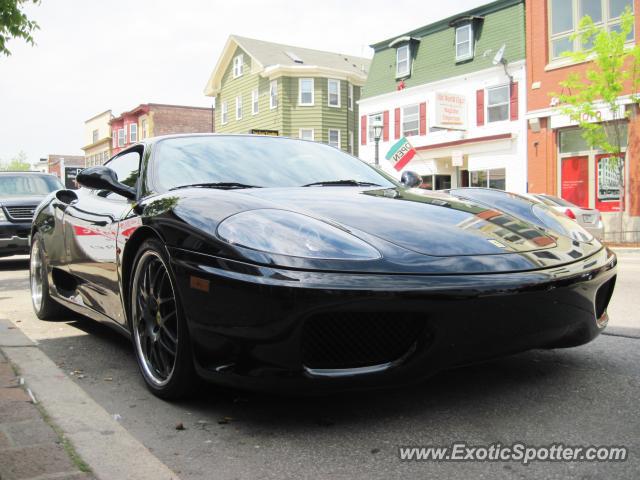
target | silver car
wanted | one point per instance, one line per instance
(588, 218)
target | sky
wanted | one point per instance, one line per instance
(95, 55)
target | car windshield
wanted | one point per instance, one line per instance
(555, 201)
(24, 185)
(258, 161)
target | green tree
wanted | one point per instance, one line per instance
(614, 66)
(18, 163)
(14, 23)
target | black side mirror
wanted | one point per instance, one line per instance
(410, 179)
(103, 178)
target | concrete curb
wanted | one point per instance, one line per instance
(109, 450)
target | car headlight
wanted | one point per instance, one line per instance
(282, 232)
(3, 217)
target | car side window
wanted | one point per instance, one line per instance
(127, 168)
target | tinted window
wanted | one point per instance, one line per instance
(127, 168)
(258, 161)
(16, 185)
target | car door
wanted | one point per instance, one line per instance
(91, 225)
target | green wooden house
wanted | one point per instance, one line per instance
(272, 89)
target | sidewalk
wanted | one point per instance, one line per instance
(30, 448)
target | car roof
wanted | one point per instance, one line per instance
(25, 172)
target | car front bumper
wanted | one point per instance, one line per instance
(14, 238)
(250, 325)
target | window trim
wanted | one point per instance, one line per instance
(351, 142)
(255, 101)
(402, 130)
(339, 147)
(606, 22)
(471, 52)
(408, 72)
(224, 113)
(131, 132)
(121, 137)
(329, 82)
(313, 86)
(273, 87)
(486, 103)
(313, 135)
(239, 71)
(239, 107)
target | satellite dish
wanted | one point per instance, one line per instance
(499, 55)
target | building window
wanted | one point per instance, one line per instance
(565, 16)
(121, 137)
(410, 120)
(350, 97)
(494, 178)
(254, 102)
(498, 104)
(350, 142)
(464, 42)
(333, 89)
(306, 134)
(94, 136)
(403, 61)
(305, 85)
(224, 113)
(239, 107)
(133, 133)
(372, 120)
(238, 62)
(143, 128)
(114, 141)
(273, 94)
(334, 138)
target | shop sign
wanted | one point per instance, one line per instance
(400, 153)
(451, 111)
(70, 174)
(269, 133)
(456, 158)
(598, 115)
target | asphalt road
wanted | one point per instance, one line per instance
(581, 396)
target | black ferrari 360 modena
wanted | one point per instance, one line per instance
(288, 265)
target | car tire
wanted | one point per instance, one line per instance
(159, 332)
(45, 307)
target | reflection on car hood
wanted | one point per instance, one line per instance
(430, 223)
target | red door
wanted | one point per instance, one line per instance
(575, 180)
(607, 186)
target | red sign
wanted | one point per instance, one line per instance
(575, 180)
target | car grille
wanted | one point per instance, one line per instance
(20, 213)
(604, 295)
(342, 340)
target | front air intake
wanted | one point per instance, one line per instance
(342, 340)
(603, 296)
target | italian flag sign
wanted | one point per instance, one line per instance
(400, 153)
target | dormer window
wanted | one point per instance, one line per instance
(464, 42)
(237, 65)
(403, 61)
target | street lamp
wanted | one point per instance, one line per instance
(377, 133)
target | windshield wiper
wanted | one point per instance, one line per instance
(222, 185)
(349, 183)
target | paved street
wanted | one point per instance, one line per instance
(581, 396)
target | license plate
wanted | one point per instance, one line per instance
(588, 218)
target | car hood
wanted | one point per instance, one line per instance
(429, 223)
(30, 200)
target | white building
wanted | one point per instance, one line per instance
(464, 116)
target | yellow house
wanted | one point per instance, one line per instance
(97, 139)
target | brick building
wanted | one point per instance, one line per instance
(153, 119)
(56, 163)
(559, 161)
